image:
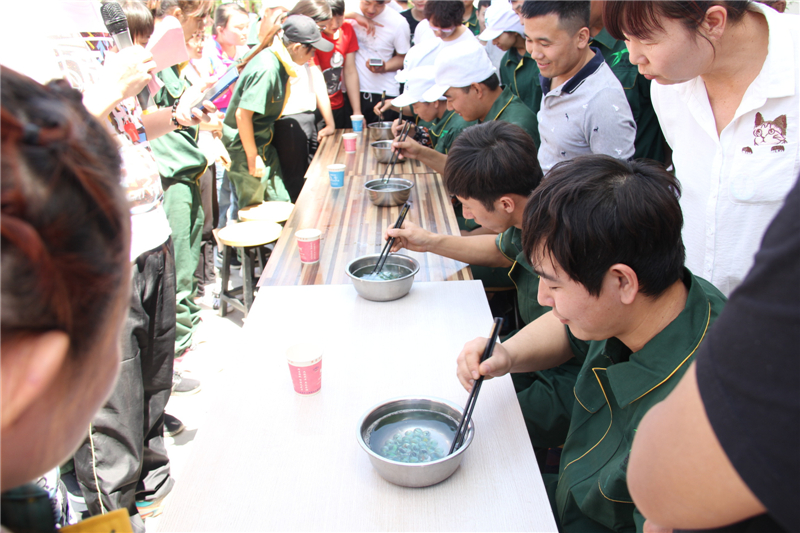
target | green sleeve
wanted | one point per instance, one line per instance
(259, 88)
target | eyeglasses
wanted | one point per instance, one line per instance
(444, 31)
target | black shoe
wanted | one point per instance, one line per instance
(172, 426)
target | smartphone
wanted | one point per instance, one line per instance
(219, 87)
(375, 62)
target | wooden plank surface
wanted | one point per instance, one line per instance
(270, 460)
(363, 162)
(352, 227)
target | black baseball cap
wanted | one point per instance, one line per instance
(303, 29)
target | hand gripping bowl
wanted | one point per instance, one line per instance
(382, 290)
(389, 192)
(437, 419)
(380, 131)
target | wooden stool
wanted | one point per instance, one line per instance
(247, 236)
(267, 212)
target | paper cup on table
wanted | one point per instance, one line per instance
(350, 142)
(305, 366)
(358, 122)
(336, 174)
(308, 243)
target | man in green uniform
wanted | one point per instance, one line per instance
(604, 235)
(492, 169)
(443, 124)
(471, 17)
(257, 102)
(518, 70)
(467, 79)
(649, 141)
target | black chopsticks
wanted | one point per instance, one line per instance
(387, 172)
(388, 246)
(461, 433)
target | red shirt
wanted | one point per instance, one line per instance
(332, 63)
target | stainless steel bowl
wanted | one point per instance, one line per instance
(382, 150)
(379, 131)
(383, 290)
(412, 474)
(394, 191)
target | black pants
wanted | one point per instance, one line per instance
(341, 116)
(296, 143)
(368, 103)
(125, 449)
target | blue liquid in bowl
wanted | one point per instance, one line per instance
(412, 436)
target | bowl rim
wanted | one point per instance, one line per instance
(406, 184)
(377, 125)
(376, 256)
(373, 143)
(462, 449)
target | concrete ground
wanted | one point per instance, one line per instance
(206, 363)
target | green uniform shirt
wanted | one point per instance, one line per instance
(509, 107)
(177, 154)
(261, 88)
(445, 130)
(649, 141)
(472, 23)
(545, 397)
(521, 74)
(252, 33)
(614, 390)
(525, 279)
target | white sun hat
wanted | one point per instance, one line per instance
(459, 66)
(418, 81)
(500, 17)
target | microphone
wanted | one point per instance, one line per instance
(117, 24)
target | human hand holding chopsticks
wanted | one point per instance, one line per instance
(469, 367)
(410, 236)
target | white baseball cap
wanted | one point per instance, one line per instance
(459, 66)
(418, 81)
(500, 17)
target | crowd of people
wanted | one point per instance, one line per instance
(625, 166)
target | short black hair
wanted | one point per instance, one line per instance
(337, 7)
(596, 211)
(141, 22)
(572, 16)
(446, 14)
(492, 83)
(490, 160)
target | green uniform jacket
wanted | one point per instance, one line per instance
(509, 107)
(177, 154)
(649, 141)
(472, 23)
(614, 390)
(545, 397)
(445, 130)
(521, 74)
(261, 88)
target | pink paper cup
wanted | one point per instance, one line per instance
(308, 243)
(305, 367)
(350, 142)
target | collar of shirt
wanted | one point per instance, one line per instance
(283, 56)
(500, 104)
(633, 375)
(574, 82)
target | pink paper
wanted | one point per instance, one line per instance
(168, 48)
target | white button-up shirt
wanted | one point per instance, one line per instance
(735, 182)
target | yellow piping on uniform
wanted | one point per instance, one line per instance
(579, 400)
(505, 106)
(607, 498)
(708, 321)
(610, 412)
(443, 125)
